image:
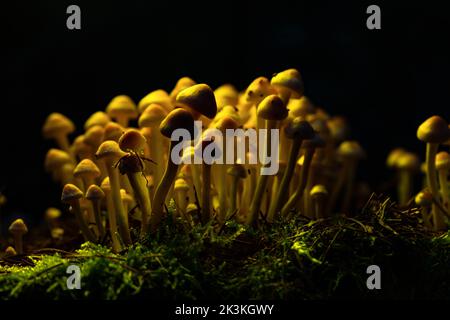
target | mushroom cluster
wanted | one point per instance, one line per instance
(120, 172)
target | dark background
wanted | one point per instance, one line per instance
(385, 81)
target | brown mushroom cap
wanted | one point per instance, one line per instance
(272, 108)
(177, 119)
(18, 227)
(70, 193)
(98, 118)
(122, 105)
(199, 99)
(237, 170)
(443, 161)
(57, 124)
(152, 116)
(289, 79)
(299, 129)
(94, 136)
(86, 168)
(159, 97)
(433, 130)
(113, 131)
(424, 198)
(132, 140)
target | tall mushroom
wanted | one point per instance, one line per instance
(319, 195)
(434, 131)
(112, 220)
(407, 164)
(443, 168)
(122, 109)
(18, 228)
(95, 194)
(58, 127)
(159, 97)
(237, 172)
(98, 118)
(289, 84)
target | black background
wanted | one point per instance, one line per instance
(385, 81)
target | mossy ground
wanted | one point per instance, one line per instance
(292, 259)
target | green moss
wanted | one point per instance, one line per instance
(291, 259)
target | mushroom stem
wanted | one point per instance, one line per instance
(18, 243)
(63, 143)
(309, 153)
(162, 190)
(444, 188)
(140, 189)
(89, 236)
(206, 205)
(262, 181)
(121, 215)
(283, 190)
(438, 218)
(98, 218)
(117, 247)
(157, 153)
(404, 187)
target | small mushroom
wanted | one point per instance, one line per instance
(319, 196)
(112, 220)
(289, 84)
(98, 118)
(95, 194)
(159, 97)
(122, 109)
(237, 172)
(424, 199)
(58, 127)
(182, 83)
(10, 251)
(407, 164)
(443, 168)
(18, 228)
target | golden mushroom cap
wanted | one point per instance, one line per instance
(159, 97)
(70, 193)
(272, 108)
(182, 83)
(191, 208)
(113, 131)
(339, 128)
(289, 79)
(132, 140)
(126, 197)
(300, 107)
(318, 190)
(408, 161)
(110, 149)
(152, 116)
(80, 148)
(393, 157)
(226, 122)
(18, 227)
(10, 251)
(98, 118)
(122, 105)
(443, 161)
(181, 185)
(94, 192)
(351, 149)
(87, 168)
(55, 159)
(199, 99)
(94, 136)
(52, 213)
(424, 198)
(105, 186)
(57, 124)
(226, 95)
(257, 90)
(433, 130)
(177, 119)
(237, 170)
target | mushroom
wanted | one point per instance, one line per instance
(182, 83)
(80, 149)
(58, 127)
(443, 168)
(122, 109)
(271, 109)
(256, 92)
(87, 171)
(98, 118)
(55, 159)
(407, 164)
(159, 97)
(289, 84)
(95, 194)
(319, 196)
(297, 130)
(434, 131)
(10, 251)
(18, 228)
(226, 95)
(110, 152)
(112, 220)
(237, 172)
(51, 216)
(181, 189)
(151, 118)
(113, 131)
(133, 142)
(176, 119)
(199, 100)
(71, 195)
(424, 199)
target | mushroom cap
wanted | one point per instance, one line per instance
(86, 168)
(109, 149)
(443, 161)
(351, 149)
(272, 108)
(237, 170)
(182, 83)
(191, 208)
(226, 95)
(57, 233)
(126, 198)
(300, 107)
(257, 90)
(226, 122)
(94, 136)
(133, 140)
(318, 190)
(57, 124)
(408, 161)
(393, 157)
(122, 105)
(52, 213)
(339, 128)
(289, 79)
(177, 119)
(299, 129)
(105, 186)
(159, 96)
(70, 193)
(98, 118)
(80, 148)
(152, 116)
(10, 251)
(433, 130)
(18, 227)
(181, 185)
(200, 99)
(424, 198)
(113, 131)
(55, 159)
(315, 142)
